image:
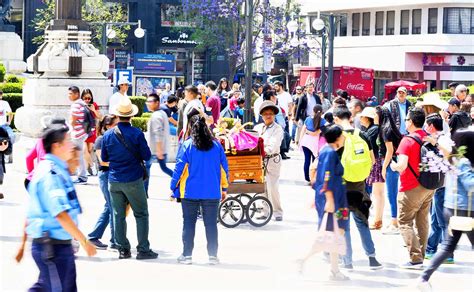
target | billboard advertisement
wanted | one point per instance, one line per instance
(154, 62)
(145, 85)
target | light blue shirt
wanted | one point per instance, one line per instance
(403, 115)
(51, 192)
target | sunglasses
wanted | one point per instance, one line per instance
(4, 142)
(407, 119)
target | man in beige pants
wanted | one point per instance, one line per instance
(414, 200)
(272, 135)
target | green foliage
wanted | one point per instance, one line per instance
(146, 115)
(139, 101)
(3, 71)
(140, 122)
(92, 11)
(11, 87)
(10, 78)
(14, 99)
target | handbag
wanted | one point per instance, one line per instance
(119, 135)
(329, 240)
(461, 223)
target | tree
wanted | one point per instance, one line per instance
(220, 27)
(94, 12)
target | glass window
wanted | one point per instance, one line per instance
(404, 21)
(343, 25)
(379, 23)
(390, 23)
(416, 21)
(433, 20)
(355, 24)
(366, 23)
(458, 20)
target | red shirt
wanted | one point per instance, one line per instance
(214, 102)
(409, 147)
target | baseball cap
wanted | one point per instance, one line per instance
(402, 88)
(454, 101)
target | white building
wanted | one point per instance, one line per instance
(430, 41)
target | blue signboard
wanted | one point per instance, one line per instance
(120, 73)
(154, 62)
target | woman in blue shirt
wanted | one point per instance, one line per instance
(52, 215)
(458, 196)
(200, 181)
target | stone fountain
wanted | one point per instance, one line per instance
(66, 58)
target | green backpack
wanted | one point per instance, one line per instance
(356, 157)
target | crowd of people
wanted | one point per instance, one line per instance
(354, 154)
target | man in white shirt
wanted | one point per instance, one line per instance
(192, 102)
(123, 85)
(285, 101)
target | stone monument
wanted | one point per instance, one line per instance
(66, 58)
(11, 45)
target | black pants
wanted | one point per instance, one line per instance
(448, 246)
(308, 159)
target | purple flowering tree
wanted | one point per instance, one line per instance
(220, 27)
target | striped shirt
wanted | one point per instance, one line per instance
(77, 112)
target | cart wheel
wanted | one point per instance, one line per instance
(259, 211)
(231, 212)
(244, 199)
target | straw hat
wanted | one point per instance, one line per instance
(125, 108)
(269, 105)
(434, 100)
(369, 112)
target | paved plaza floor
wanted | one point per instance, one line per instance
(253, 259)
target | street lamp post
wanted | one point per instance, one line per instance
(331, 55)
(109, 32)
(248, 60)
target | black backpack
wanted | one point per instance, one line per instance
(89, 120)
(428, 180)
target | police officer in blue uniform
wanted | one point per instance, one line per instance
(53, 215)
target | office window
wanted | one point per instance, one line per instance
(366, 23)
(458, 20)
(355, 24)
(433, 20)
(343, 25)
(416, 21)
(390, 30)
(404, 21)
(379, 23)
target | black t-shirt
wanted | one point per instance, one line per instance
(372, 134)
(388, 136)
(459, 120)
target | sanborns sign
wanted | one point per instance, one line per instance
(182, 39)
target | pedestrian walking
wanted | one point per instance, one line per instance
(157, 137)
(311, 139)
(200, 180)
(213, 102)
(356, 106)
(5, 149)
(272, 135)
(53, 215)
(122, 86)
(222, 89)
(330, 193)
(81, 126)
(414, 200)
(171, 110)
(459, 119)
(357, 158)
(106, 218)
(296, 122)
(6, 117)
(458, 202)
(89, 154)
(432, 104)
(368, 119)
(125, 148)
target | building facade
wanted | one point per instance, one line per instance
(422, 41)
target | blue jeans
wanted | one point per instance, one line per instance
(438, 224)
(366, 238)
(293, 130)
(106, 216)
(308, 158)
(164, 168)
(392, 190)
(57, 274)
(209, 216)
(173, 130)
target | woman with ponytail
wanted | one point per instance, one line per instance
(311, 140)
(200, 181)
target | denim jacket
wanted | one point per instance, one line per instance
(465, 185)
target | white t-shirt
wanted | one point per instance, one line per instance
(114, 101)
(256, 107)
(192, 104)
(284, 99)
(4, 109)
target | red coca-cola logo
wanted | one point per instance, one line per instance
(358, 86)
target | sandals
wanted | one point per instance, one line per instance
(377, 225)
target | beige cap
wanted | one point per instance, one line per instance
(369, 112)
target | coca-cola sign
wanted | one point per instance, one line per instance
(352, 86)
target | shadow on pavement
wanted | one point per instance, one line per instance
(222, 265)
(11, 238)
